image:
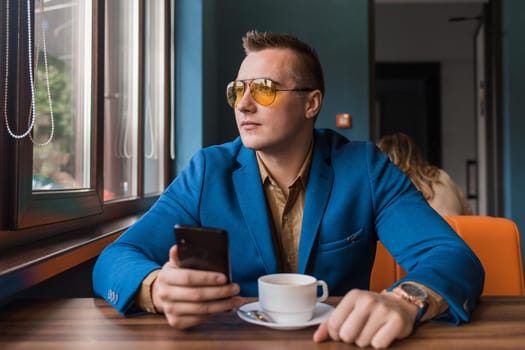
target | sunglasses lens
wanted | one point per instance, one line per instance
(263, 91)
(234, 92)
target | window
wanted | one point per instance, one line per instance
(154, 97)
(62, 95)
(98, 84)
(121, 99)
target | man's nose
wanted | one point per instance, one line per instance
(246, 101)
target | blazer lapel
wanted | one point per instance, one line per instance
(320, 180)
(249, 191)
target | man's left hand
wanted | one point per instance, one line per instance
(368, 318)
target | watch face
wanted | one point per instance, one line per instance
(414, 291)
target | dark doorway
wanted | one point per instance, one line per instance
(408, 100)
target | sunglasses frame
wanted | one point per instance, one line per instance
(233, 99)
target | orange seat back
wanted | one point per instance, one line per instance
(384, 269)
(496, 242)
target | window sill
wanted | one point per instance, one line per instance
(25, 266)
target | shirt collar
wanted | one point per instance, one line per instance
(303, 171)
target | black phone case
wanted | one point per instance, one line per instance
(203, 248)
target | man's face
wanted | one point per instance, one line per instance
(275, 127)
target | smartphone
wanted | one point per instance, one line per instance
(203, 248)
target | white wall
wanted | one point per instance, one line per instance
(458, 131)
(408, 32)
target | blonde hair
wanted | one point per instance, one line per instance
(403, 152)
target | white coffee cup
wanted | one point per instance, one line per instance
(290, 297)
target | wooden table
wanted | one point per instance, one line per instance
(498, 323)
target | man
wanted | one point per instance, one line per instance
(294, 198)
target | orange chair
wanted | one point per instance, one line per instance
(384, 272)
(496, 242)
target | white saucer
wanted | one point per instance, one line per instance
(321, 312)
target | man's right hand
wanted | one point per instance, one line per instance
(187, 297)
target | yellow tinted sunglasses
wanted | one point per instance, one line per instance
(262, 90)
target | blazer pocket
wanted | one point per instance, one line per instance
(351, 239)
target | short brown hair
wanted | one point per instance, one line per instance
(309, 73)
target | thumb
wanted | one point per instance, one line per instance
(174, 256)
(321, 334)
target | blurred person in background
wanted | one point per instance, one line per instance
(438, 188)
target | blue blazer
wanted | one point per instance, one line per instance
(354, 196)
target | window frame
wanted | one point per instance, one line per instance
(27, 216)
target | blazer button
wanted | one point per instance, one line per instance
(111, 296)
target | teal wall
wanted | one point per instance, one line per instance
(209, 52)
(189, 80)
(337, 29)
(514, 112)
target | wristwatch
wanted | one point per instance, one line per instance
(414, 294)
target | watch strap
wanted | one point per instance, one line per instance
(420, 313)
(421, 302)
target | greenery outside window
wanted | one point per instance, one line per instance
(63, 63)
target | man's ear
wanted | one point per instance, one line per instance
(313, 103)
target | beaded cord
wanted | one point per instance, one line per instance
(32, 118)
